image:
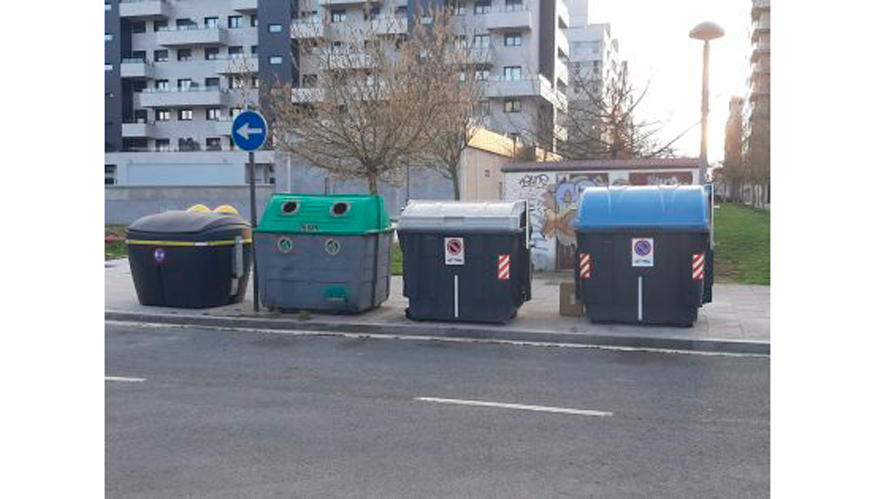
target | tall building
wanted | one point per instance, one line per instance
(756, 148)
(595, 62)
(177, 72)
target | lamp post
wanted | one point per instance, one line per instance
(705, 31)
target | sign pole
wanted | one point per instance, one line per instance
(253, 210)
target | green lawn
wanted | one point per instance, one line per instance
(115, 250)
(397, 260)
(741, 252)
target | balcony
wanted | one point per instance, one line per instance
(562, 14)
(509, 19)
(174, 97)
(389, 25)
(342, 59)
(138, 129)
(137, 68)
(562, 44)
(480, 55)
(760, 49)
(191, 35)
(562, 72)
(248, 6)
(530, 87)
(144, 9)
(333, 3)
(307, 29)
(235, 65)
(308, 95)
(223, 126)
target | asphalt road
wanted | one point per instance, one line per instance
(242, 414)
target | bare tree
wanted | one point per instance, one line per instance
(603, 124)
(368, 94)
(455, 122)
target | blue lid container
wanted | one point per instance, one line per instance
(650, 207)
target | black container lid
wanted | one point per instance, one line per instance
(186, 222)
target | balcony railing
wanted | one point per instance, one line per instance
(192, 34)
(235, 65)
(139, 129)
(509, 17)
(244, 5)
(193, 96)
(137, 68)
(144, 9)
(309, 28)
(528, 87)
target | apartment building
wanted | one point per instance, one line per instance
(178, 71)
(595, 54)
(757, 101)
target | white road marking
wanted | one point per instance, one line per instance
(412, 337)
(121, 378)
(536, 408)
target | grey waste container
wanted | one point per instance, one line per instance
(465, 261)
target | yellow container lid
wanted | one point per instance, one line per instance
(199, 208)
(226, 208)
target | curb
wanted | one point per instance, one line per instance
(467, 331)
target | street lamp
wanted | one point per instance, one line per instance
(706, 32)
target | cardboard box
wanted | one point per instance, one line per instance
(568, 305)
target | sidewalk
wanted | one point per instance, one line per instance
(737, 321)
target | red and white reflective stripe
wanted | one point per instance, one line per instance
(699, 266)
(504, 266)
(585, 271)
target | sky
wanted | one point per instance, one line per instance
(654, 38)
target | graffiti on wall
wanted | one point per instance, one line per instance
(661, 178)
(561, 200)
(529, 187)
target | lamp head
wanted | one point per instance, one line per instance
(706, 31)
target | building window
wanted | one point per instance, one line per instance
(481, 75)
(183, 55)
(162, 145)
(481, 41)
(211, 22)
(107, 67)
(254, 82)
(512, 106)
(371, 80)
(211, 53)
(183, 84)
(107, 37)
(513, 39)
(235, 52)
(214, 113)
(138, 85)
(373, 13)
(461, 42)
(483, 108)
(235, 111)
(107, 6)
(211, 82)
(159, 26)
(161, 55)
(309, 81)
(235, 22)
(186, 114)
(513, 73)
(275, 60)
(162, 85)
(235, 82)
(401, 11)
(109, 174)
(482, 7)
(458, 7)
(487, 173)
(338, 15)
(253, 20)
(162, 115)
(214, 144)
(138, 27)
(253, 50)
(513, 5)
(275, 28)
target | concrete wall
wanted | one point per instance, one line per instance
(482, 175)
(124, 204)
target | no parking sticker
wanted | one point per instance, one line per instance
(454, 251)
(642, 252)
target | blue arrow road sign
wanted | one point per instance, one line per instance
(249, 130)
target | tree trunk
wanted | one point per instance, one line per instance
(457, 189)
(372, 184)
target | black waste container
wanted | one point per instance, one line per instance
(643, 254)
(465, 261)
(190, 259)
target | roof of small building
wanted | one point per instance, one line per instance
(604, 164)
